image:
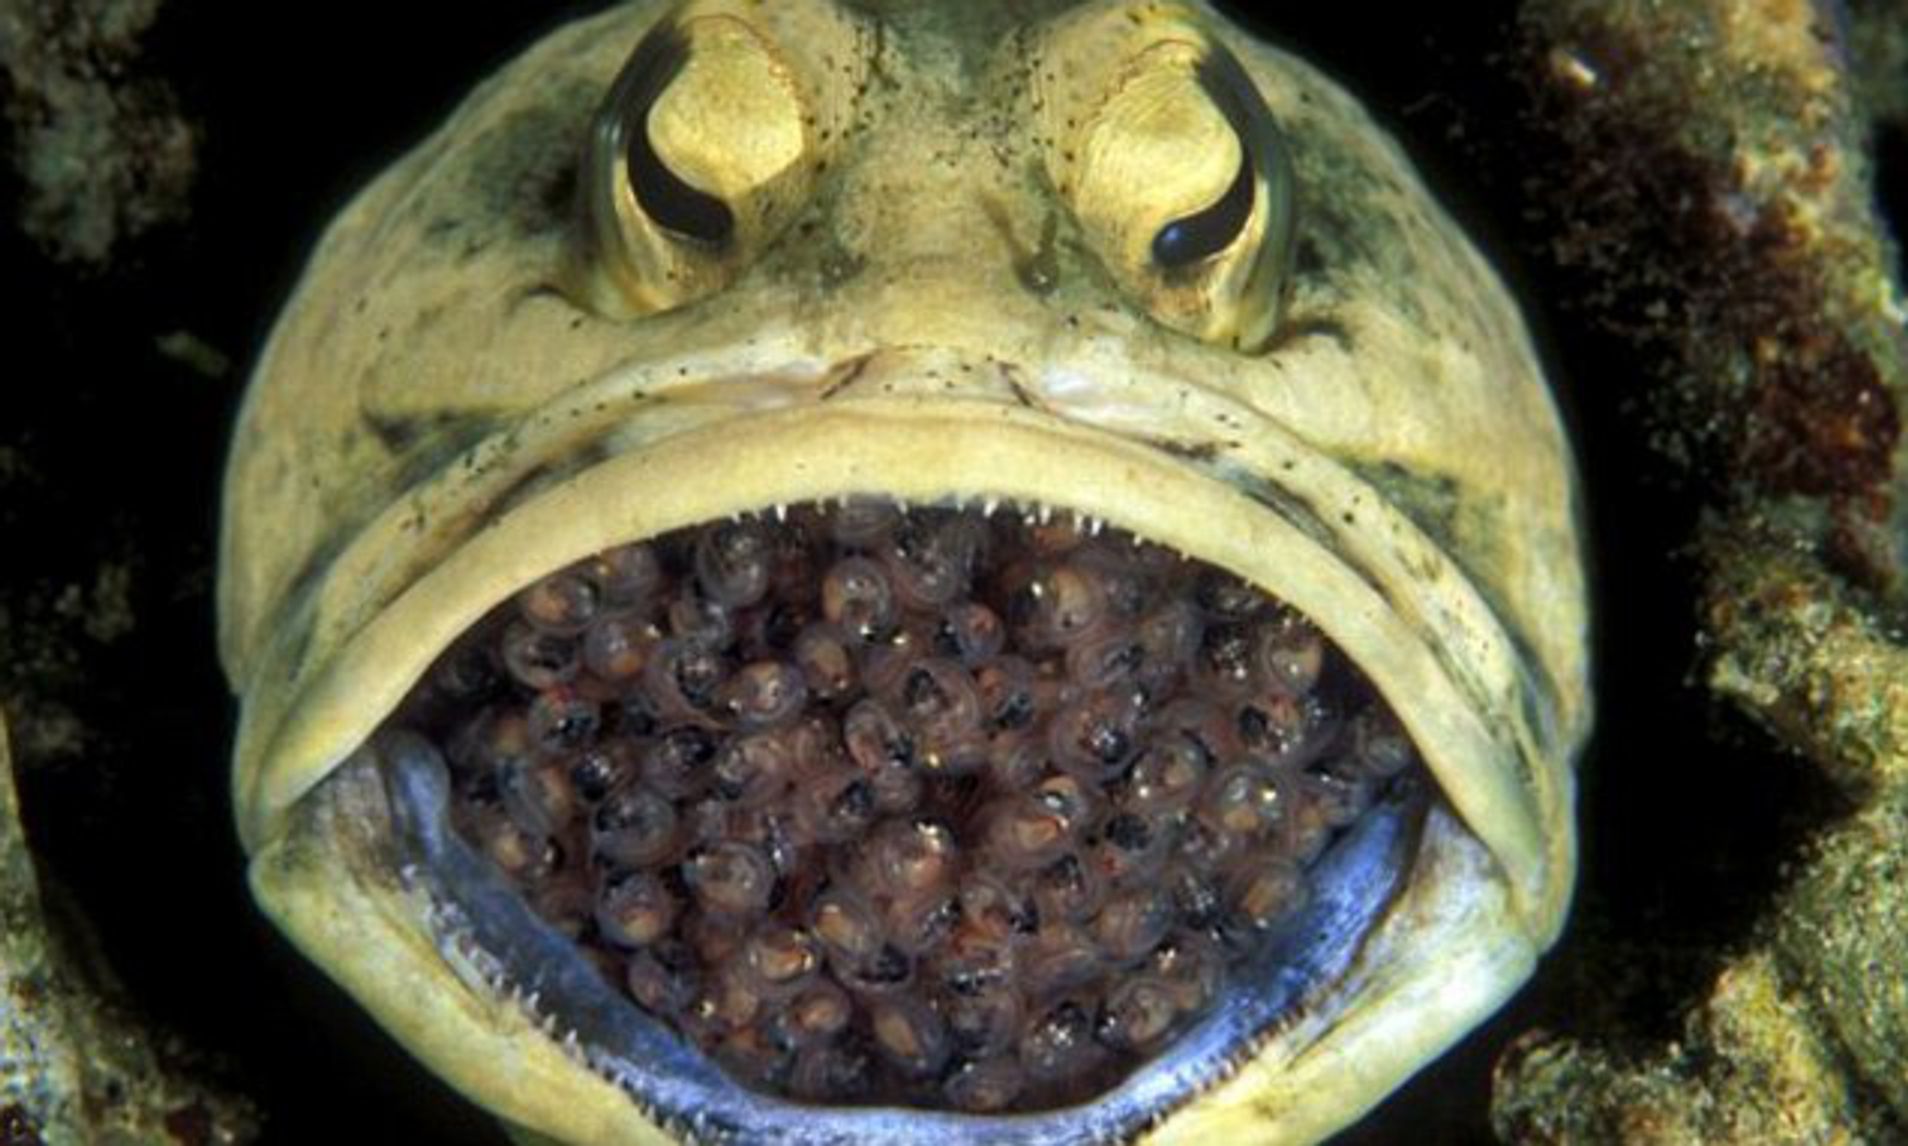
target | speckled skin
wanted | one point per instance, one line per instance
(444, 414)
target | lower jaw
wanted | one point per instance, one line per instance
(565, 967)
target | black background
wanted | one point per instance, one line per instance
(1686, 813)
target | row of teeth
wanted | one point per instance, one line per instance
(1039, 513)
(485, 975)
(457, 945)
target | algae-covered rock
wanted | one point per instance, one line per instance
(77, 1065)
(1723, 216)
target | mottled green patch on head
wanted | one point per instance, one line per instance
(525, 171)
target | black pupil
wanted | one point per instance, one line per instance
(1205, 233)
(662, 194)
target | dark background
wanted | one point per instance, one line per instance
(114, 453)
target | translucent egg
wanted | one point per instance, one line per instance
(752, 770)
(856, 597)
(635, 909)
(938, 699)
(763, 693)
(1108, 657)
(1241, 800)
(733, 879)
(828, 667)
(831, 1072)
(929, 561)
(627, 575)
(665, 978)
(633, 827)
(985, 1023)
(909, 858)
(1132, 849)
(676, 764)
(603, 767)
(908, 1034)
(1095, 737)
(884, 752)
(616, 647)
(1132, 923)
(985, 1086)
(1006, 687)
(697, 618)
(521, 854)
(537, 795)
(974, 633)
(562, 603)
(1289, 654)
(834, 804)
(732, 563)
(561, 720)
(538, 660)
(1062, 957)
(782, 958)
(1068, 888)
(1136, 1015)
(864, 523)
(1267, 891)
(1167, 775)
(818, 1013)
(1021, 834)
(1059, 1044)
(847, 924)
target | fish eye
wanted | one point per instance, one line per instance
(706, 144)
(674, 204)
(1203, 234)
(1162, 147)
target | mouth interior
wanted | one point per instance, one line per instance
(854, 806)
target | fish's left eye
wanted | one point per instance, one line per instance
(1207, 232)
(1163, 149)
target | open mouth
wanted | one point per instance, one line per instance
(851, 806)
